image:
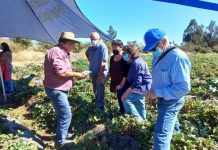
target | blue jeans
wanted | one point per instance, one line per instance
(63, 113)
(98, 89)
(167, 122)
(135, 104)
(9, 86)
(119, 95)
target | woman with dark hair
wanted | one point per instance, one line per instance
(140, 81)
(6, 57)
(118, 71)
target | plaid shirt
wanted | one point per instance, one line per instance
(171, 75)
(57, 61)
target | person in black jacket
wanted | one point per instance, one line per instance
(118, 71)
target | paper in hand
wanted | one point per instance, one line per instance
(86, 72)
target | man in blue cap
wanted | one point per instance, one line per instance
(171, 82)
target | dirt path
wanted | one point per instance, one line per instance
(22, 116)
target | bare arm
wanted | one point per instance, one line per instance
(128, 91)
(69, 74)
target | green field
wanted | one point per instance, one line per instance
(199, 120)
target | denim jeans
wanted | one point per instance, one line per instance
(98, 89)
(167, 122)
(119, 95)
(9, 86)
(63, 113)
(135, 104)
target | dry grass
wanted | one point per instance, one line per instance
(33, 54)
(26, 57)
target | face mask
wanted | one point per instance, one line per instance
(126, 57)
(115, 51)
(157, 52)
(94, 43)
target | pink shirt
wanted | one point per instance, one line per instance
(57, 61)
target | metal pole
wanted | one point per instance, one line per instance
(3, 86)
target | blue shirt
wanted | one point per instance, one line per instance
(171, 75)
(96, 56)
(139, 76)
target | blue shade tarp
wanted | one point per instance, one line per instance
(194, 3)
(44, 20)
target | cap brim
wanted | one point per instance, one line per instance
(149, 47)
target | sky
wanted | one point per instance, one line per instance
(132, 18)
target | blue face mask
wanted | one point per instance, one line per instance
(157, 52)
(126, 57)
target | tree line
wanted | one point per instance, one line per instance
(199, 38)
(196, 38)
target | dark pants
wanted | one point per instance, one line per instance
(119, 95)
(98, 89)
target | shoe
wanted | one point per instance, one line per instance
(102, 110)
(68, 145)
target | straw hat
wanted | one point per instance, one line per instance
(68, 36)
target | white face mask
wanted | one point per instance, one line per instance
(94, 43)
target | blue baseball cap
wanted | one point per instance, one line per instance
(152, 37)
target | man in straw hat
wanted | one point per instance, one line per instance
(58, 81)
(170, 83)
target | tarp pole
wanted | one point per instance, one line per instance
(3, 86)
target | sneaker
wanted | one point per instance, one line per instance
(68, 145)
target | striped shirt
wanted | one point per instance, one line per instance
(171, 75)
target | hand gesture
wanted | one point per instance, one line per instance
(124, 97)
(151, 97)
(84, 74)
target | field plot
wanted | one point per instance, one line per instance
(31, 107)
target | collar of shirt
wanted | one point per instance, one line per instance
(62, 48)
